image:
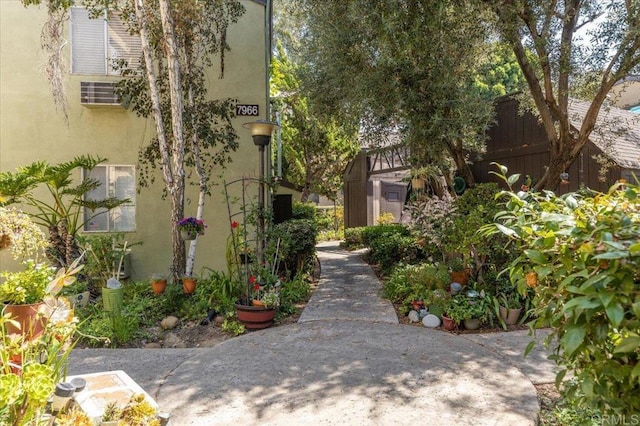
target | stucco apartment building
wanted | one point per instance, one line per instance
(31, 128)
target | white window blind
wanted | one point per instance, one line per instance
(96, 44)
(118, 182)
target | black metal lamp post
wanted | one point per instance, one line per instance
(261, 133)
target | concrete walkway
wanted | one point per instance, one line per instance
(346, 362)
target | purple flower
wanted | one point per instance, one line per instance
(191, 224)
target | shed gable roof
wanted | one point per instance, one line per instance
(617, 132)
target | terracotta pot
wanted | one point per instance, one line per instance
(255, 317)
(31, 324)
(5, 241)
(256, 302)
(461, 277)
(417, 183)
(158, 286)
(188, 285)
(472, 323)
(510, 316)
(448, 323)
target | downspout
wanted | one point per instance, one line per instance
(268, 16)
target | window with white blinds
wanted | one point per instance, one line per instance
(117, 182)
(96, 44)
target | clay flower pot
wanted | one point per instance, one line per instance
(188, 285)
(510, 316)
(461, 277)
(255, 317)
(31, 323)
(158, 286)
(448, 323)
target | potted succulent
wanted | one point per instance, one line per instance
(158, 283)
(23, 292)
(190, 228)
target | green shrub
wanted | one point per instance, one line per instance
(303, 211)
(581, 255)
(297, 244)
(474, 209)
(98, 328)
(371, 233)
(221, 291)
(292, 292)
(354, 238)
(389, 248)
(414, 282)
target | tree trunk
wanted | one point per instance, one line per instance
(202, 179)
(177, 149)
(462, 167)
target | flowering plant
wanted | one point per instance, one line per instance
(31, 364)
(266, 287)
(192, 225)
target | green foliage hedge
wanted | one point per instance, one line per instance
(297, 246)
(354, 238)
(584, 250)
(407, 283)
(303, 211)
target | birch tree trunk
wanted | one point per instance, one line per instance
(202, 180)
(176, 193)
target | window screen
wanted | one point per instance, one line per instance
(118, 182)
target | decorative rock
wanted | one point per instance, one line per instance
(431, 321)
(170, 340)
(153, 345)
(414, 316)
(169, 323)
(219, 320)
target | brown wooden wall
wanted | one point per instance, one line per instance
(520, 143)
(355, 192)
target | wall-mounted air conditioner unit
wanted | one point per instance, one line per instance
(99, 93)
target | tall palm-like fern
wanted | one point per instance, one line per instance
(62, 211)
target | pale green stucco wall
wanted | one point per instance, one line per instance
(31, 129)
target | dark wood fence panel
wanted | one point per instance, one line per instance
(520, 143)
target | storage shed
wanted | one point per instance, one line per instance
(519, 142)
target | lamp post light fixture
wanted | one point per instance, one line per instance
(261, 131)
